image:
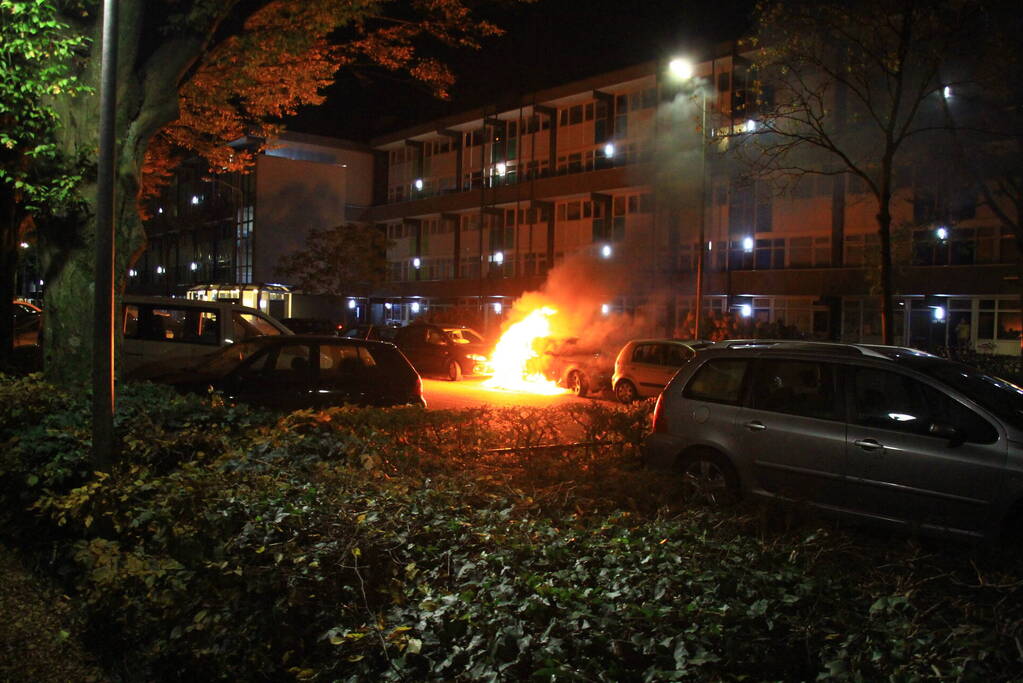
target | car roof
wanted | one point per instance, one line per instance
(875, 351)
(180, 301)
(31, 305)
(691, 343)
(313, 338)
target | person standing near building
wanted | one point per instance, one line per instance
(962, 337)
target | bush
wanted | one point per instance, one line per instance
(399, 544)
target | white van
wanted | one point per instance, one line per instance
(156, 328)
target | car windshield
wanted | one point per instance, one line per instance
(1001, 397)
(229, 357)
(461, 335)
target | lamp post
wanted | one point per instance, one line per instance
(103, 395)
(683, 70)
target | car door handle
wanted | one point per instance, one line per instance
(755, 426)
(868, 444)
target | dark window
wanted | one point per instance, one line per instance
(345, 360)
(724, 82)
(677, 355)
(888, 400)
(796, 387)
(652, 354)
(719, 380)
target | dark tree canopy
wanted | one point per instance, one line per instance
(192, 76)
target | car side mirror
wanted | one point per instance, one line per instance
(943, 430)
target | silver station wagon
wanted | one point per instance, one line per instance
(882, 433)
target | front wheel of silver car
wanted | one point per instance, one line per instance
(625, 391)
(709, 478)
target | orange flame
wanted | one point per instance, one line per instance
(515, 349)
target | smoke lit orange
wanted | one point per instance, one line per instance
(515, 349)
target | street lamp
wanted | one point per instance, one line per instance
(684, 70)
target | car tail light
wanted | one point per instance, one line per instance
(660, 424)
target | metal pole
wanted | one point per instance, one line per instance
(701, 246)
(103, 323)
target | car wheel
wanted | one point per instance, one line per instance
(709, 478)
(625, 391)
(577, 383)
(454, 371)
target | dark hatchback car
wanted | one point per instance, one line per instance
(313, 326)
(295, 372)
(373, 332)
(447, 350)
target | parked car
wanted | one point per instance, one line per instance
(582, 370)
(27, 322)
(644, 366)
(158, 327)
(881, 433)
(313, 325)
(373, 332)
(292, 372)
(447, 350)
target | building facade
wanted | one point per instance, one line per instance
(222, 236)
(628, 165)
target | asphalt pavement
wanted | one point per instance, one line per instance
(471, 393)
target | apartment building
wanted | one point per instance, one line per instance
(481, 207)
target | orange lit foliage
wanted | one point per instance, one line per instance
(285, 53)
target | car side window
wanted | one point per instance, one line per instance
(796, 387)
(890, 400)
(346, 360)
(648, 353)
(718, 380)
(435, 337)
(677, 355)
(246, 325)
(130, 324)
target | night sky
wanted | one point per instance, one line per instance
(547, 43)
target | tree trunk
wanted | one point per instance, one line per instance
(69, 320)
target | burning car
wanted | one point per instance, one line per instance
(580, 369)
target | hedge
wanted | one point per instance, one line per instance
(360, 544)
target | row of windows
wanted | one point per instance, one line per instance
(621, 205)
(433, 269)
(511, 172)
(510, 128)
(964, 246)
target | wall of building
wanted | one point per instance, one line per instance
(292, 198)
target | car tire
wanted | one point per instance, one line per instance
(625, 391)
(454, 371)
(577, 383)
(709, 478)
